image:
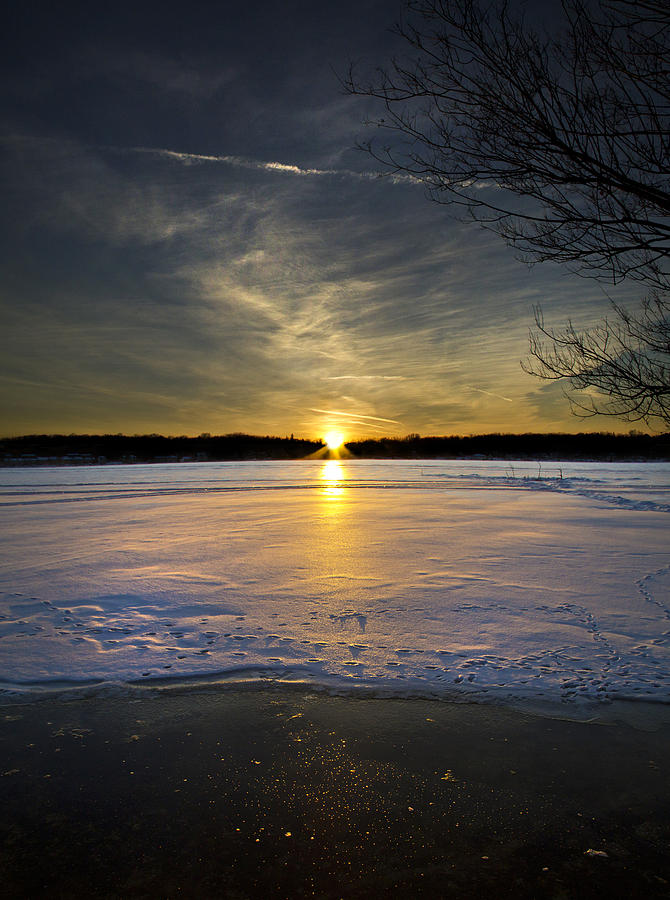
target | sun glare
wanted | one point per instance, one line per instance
(334, 440)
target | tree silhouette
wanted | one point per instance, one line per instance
(561, 145)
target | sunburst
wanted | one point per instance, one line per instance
(334, 440)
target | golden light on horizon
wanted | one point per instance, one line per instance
(334, 440)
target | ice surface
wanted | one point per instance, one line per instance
(488, 580)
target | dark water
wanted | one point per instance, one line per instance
(246, 794)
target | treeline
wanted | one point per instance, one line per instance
(582, 446)
(78, 449)
(86, 449)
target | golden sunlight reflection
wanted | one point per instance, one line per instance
(332, 475)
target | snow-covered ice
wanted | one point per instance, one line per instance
(486, 580)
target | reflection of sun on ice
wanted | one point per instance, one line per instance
(331, 474)
(334, 440)
(332, 470)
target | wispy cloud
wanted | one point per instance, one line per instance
(242, 162)
(353, 415)
(316, 424)
(488, 393)
(366, 378)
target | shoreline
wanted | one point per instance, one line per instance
(640, 712)
(98, 449)
(289, 792)
(529, 459)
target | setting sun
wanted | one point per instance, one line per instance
(334, 440)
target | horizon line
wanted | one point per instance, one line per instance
(633, 432)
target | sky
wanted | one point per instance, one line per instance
(192, 242)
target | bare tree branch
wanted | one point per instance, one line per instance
(560, 144)
(621, 367)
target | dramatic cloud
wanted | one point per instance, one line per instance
(191, 243)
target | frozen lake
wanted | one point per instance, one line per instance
(475, 579)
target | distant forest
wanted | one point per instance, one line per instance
(84, 449)
(583, 446)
